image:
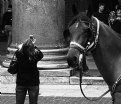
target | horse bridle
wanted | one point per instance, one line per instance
(90, 46)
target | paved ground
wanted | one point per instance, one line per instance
(63, 94)
(56, 100)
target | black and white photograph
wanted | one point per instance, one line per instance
(60, 51)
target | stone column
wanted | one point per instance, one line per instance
(45, 19)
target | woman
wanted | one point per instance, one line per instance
(101, 14)
(28, 75)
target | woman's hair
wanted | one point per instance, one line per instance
(28, 48)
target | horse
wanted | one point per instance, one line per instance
(88, 34)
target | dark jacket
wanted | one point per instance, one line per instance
(116, 26)
(28, 74)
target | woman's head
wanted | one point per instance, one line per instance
(28, 47)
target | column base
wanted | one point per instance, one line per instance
(53, 59)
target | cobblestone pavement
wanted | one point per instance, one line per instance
(60, 94)
(56, 100)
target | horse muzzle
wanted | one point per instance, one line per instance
(74, 58)
(73, 62)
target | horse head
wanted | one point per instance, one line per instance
(81, 35)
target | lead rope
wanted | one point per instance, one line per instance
(115, 84)
(93, 99)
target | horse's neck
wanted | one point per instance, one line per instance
(107, 53)
(109, 41)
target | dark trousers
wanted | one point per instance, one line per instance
(8, 33)
(21, 91)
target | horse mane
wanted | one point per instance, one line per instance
(81, 16)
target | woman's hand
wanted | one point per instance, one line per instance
(20, 46)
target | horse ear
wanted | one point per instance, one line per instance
(66, 34)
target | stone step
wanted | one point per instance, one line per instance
(44, 64)
(74, 80)
(55, 77)
(43, 80)
(46, 57)
(46, 51)
(56, 81)
(56, 73)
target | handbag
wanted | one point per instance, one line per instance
(12, 69)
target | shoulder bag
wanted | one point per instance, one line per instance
(12, 69)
